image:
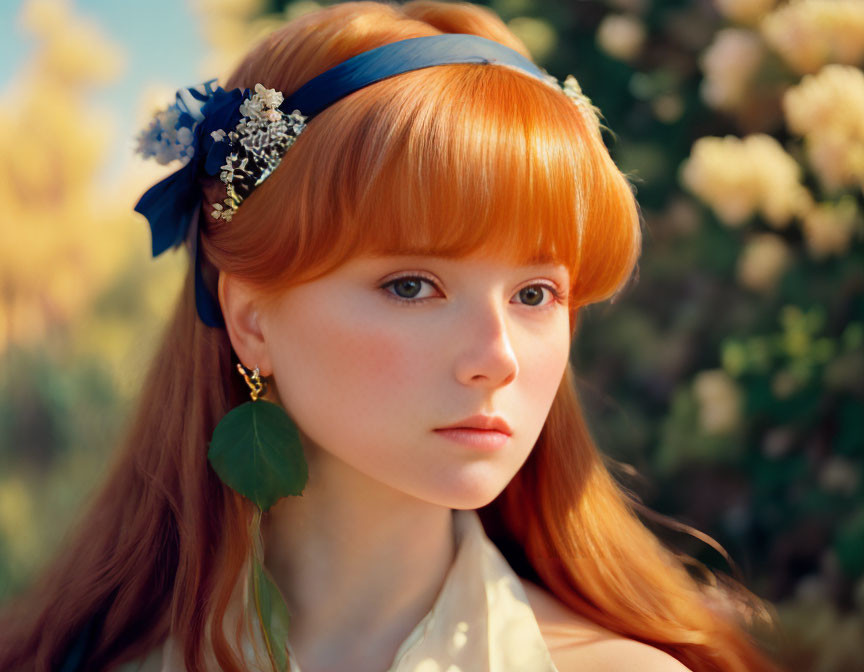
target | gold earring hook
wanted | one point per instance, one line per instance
(256, 385)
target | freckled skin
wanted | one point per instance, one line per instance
(367, 379)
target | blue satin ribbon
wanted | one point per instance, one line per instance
(399, 57)
(171, 206)
(168, 205)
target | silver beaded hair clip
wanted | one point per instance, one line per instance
(264, 134)
(257, 145)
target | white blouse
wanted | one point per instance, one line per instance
(481, 620)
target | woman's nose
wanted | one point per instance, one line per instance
(486, 354)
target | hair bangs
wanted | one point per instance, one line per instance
(447, 161)
(489, 165)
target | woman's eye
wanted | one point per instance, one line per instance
(533, 294)
(407, 289)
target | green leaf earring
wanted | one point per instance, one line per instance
(256, 451)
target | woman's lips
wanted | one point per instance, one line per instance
(479, 439)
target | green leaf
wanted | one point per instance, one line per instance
(272, 614)
(256, 450)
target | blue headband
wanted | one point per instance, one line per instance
(399, 57)
(194, 128)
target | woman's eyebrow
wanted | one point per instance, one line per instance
(531, 263)
(560, 271)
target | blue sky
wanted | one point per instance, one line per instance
(162, 40)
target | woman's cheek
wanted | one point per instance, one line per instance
(369, 356)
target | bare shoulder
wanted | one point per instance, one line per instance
(576, 643)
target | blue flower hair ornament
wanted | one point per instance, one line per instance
(176, 133)
(238, 135)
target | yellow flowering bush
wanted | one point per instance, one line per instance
(58, 246)
(827, 109)
(741, 177)
(808, 34)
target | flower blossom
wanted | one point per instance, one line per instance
(164, 141)
(827, 109)
(719, 401)
(251, 107)
(229, 169)
(269, 97)
(621, 36)
(762, 262)
(808, 34)
(729, 64)
(829, 227)
(740, 177)
(222, 212)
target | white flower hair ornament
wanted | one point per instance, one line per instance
(241, 135)
(255, 146)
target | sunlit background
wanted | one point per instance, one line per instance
(730, 375)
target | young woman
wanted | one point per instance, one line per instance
(401, 293)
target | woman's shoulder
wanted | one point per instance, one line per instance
(576, 643)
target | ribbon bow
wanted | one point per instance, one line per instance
(169, 205)
(172, 204)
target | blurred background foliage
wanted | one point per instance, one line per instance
(729, 376)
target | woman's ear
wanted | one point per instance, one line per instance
(240, 309)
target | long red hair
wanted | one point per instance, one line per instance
(441, 160)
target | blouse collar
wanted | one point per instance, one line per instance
(480, 620)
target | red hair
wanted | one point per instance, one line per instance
(441, 160)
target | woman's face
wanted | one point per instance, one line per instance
(372, 358)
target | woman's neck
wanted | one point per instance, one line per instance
(359, 564)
